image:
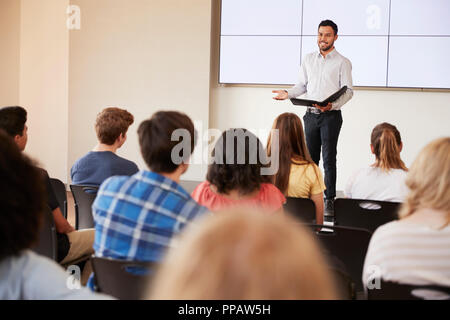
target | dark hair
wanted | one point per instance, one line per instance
(112, 122)
(156, 138)
(386, 142)
(329, 23)
(292, 147)
(22, 199)
(12, 120)
(238, 158)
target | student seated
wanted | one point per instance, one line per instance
(298, 176)
(235, 175)
(23, 273)
(415, 249)
(102, 162)
(72, 245)
(136, 217)
(244, 254)
(385, 179)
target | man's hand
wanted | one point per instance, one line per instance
(282, 94)
(323, 109)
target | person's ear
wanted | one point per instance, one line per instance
(184, 167)
(400, 147)
(336, 37)
(372, 149)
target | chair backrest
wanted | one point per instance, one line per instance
(347, 245)
(60, 192)
(125, 280)
(48, 243)
(396, 291)
(83, 196)
(366, 214)
(189, 185)
(301, 208)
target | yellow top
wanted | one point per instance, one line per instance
(305, 179)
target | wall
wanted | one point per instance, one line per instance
(44, 44)
(141, 55)
(10, 52)
(419, 116)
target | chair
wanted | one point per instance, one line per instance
(348, 246)
(60, 192)
(48, 243)
(366, 214)
(125, 280)
(395, 291)
(83, 196)
(188, 185)
(301, 208)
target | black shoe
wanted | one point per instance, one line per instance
(329, 207)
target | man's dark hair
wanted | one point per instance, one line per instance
(22, 199)
(329, 23)
(12, 120)
(157, 140)
(238, 158)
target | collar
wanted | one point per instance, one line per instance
(162, 182)
(330, 55)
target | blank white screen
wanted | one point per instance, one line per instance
(261, 17)
(353, 17)
(420, 17)
(259, 60)
(416, 62)
(368, 31)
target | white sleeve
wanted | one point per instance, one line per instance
(345, 80)
(349, 186)
(300, 87)
(43, 279)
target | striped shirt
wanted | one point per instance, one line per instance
(410, 253)
(136, 217)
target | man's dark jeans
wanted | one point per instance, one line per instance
(322, 132)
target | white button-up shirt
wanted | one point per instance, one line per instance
(321, 77)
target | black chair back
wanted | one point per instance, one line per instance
(189, 185)
(83, 196)
(395, 291)
(48, 243)
(125, 280)
(61, 195)
(301, 208)
(348, 246)
(366, 214)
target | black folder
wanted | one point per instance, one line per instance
(309, 103)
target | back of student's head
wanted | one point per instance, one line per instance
(21, 199)
(238, 158)
(111, 123)
(429, 179)
(291, 146)
(167, 140)
(12, 120)
(387, 144)
(241, 254)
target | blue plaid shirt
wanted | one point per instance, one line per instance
(136, 217)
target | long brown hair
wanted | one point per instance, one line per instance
(292, 147)
(386, 142)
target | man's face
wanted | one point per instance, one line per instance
(326, 38)
(21, 140)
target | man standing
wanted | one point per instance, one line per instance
(323, 73)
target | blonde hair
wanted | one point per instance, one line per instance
(244, 255)
(386, 142)
(429, 179)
